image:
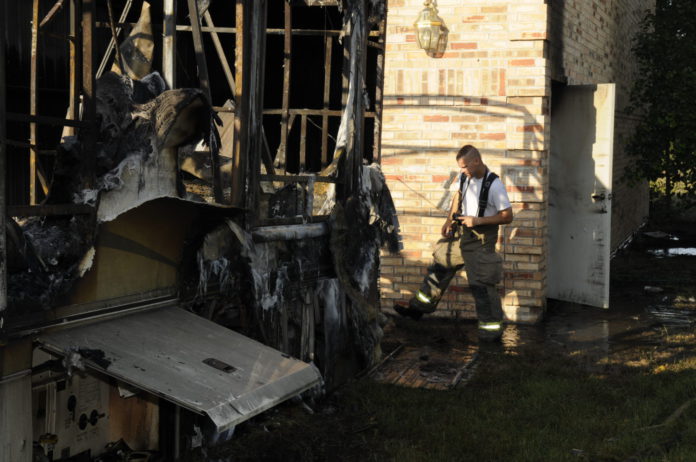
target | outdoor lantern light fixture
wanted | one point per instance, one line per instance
(431, 32)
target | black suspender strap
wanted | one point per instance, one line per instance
(488, 179)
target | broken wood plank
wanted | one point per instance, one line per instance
(52, 13)
(384, 360)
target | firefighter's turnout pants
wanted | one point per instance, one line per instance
(473, 249)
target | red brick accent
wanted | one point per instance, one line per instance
(502, 91)
(410, 37)
(492, 136)
(521, 62)
(465, 46)
(436, 118)
(440, 178)
(474, 18)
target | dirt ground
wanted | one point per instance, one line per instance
(648, 329)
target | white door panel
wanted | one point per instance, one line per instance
(580, 179)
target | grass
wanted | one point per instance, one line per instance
(538, 407)
(534, 405)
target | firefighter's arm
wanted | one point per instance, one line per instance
(501, 218)
(454, 208)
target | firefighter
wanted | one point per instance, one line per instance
(479, 206)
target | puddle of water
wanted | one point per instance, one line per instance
(670, 316)
(592, 329)
(661, 235)
(673, 252)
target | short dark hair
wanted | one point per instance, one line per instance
(466, 150)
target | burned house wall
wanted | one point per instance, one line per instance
(339, 297)
(590, 42)
(490, 89)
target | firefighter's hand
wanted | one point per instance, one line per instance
(447, 230)
(469, 222)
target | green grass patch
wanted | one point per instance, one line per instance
(535, 405)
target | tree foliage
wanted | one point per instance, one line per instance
(664, 97)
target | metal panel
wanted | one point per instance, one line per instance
(582, 140)
(190, 361)
(15, 418)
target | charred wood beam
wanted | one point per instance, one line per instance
(290, 232)
(311, 112)
(298, 178)
(114, 35)
(22, 144)
(45, 120)
(285, 221)
(51, 13)
(355, 61)
(112, 43)
(220, 51)
(205, 85)
(49, 210)
(317, 2)
(198, 46)
(267, 158)
(281, 156)
(88, 89)
(3, 180)
(242, 61)
(256, 92)
(303, 143)
(75, 66)
(379, 92)
(250, 59)
(169, 43)
(233, 30)
(32, 101)
(328, 47)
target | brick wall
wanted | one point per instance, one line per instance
(590, 42)
(490, 89)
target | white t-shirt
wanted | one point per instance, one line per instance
(497, 196)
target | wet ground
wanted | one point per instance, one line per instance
(650, 321)
(652, 292)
